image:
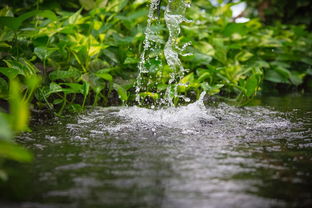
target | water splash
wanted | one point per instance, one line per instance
(150, 60)
(183, 117)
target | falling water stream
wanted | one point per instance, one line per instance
(150, 61)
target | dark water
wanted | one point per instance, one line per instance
(192, 157)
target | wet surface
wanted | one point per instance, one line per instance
(193, 156)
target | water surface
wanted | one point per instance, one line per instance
(195, 156)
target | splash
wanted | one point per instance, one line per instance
(150, 65)
(182, 117)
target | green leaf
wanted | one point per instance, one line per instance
(211, 90)
(88, 4)
(185, 82)
(150, 94)
(220, 50)
(43, 52)
(73, 88)
(204, 76)
(121, 92)
(275, 77)
(5, 129)
(75, 108)
(251, 85)
(19, 113)
(54, 88)
(130, 60)
(11, 73)
(205, 48)
(296, 78)
(4, 45)
(15, 23)
(75, 17)
(23, 66)
(4, 88)
(233, 28)
(12, 151)
(243, 56)
(58, 101)
(105, 76)
(199, 59)
(85, 89)
(63, 75)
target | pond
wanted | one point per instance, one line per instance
(195, 156)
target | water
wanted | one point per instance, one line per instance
(150, 57)
(151, 65)
(193, 156)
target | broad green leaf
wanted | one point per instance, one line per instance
(220, 50)
(211, 90)
(121, 92)
(130, 60)
(15, 23)
(150, 94)
(54, 88)
(233, 28)
(85, 88)
(273, 76)
(43, 52)
(58, 101)
(307, 60)
(88, 4)
(75, 108)
(204, 76)
(243, 56)
(94, 50)
(185, 82)
(72, 88)
(12, 151)
(4, 88)
(63, 75)
(75, 17)
(33, 81)
(18, 108)
(11, 73)
(4, 45)
(5, 129)
(199, 59)
(296, 78)
(105, 76)
(23, 66)
(187, 79)
(251, 85)
(205, 48)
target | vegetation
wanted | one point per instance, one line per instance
(287, 12)
(64, 55)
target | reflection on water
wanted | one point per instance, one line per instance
(192, 156)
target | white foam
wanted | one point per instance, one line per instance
(175, 117)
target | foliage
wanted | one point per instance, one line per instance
(17, 119)
(241, 52)
(287, 12)
(89, 56)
